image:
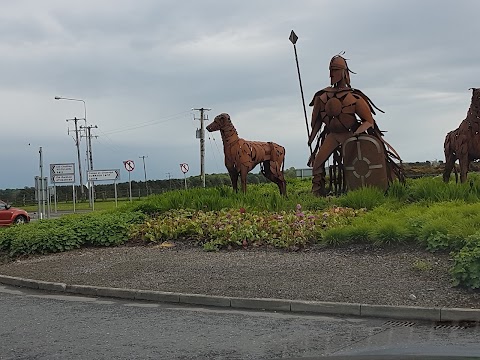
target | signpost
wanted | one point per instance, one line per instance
(129, 166)
(41, 195)
(60, 169)
(184, 168)
(99, 175)
(64, 174)
(68, 178)
(105, 175)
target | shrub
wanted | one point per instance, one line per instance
(466, 268)
(68, 232)
(337, 236)
(368, 197)
(243, 227)
(398, 191)
(390, 232)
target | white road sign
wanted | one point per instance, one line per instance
(129, 165)
(98, 175)
(67, 178)
(59, 169)
(62, 173)
(184, 168)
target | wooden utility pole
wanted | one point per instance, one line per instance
(145, 171)
(77, 144)
(90, 157)
(202, 143)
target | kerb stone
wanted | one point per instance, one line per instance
(400, 312)
(205, 300)
(321, 307)
(261, 304)
(157, 296)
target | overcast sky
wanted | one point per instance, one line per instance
(141, 66)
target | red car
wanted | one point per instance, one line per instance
(10, 215)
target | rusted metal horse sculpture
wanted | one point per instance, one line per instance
(241, 156)
(463, 143)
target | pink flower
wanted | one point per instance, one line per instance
(242, 210)
(299, 207)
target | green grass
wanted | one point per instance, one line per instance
(423, 212)
(83, 205)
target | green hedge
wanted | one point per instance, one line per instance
(68, 232)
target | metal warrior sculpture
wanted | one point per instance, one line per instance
(350, 134)
(241, 156)
(463, 143)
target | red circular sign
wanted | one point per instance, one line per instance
(129, 165)
(184, 168)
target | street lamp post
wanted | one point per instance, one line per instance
(42, 189)
(78, 150)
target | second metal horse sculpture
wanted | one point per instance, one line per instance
(241, 156)
(463, 143)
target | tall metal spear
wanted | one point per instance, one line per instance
(293, 38)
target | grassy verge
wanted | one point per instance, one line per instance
(438, 216)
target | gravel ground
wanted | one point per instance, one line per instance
(398, 276)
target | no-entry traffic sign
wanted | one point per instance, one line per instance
(129, 165)
(184, 167)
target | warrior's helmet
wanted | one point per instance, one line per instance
(339, 70)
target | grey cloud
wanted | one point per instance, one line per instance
(136, 62)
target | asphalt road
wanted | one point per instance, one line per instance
(39, 325)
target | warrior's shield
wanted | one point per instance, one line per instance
(364, 162)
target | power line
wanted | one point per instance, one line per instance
(149, 123)
(112, 146)
(213, 150)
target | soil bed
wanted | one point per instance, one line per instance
(358, 274)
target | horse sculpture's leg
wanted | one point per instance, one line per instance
(449, 164)
(273, 168)
(461, 146)
(243, 178)
(282, 185)
(450, 157)
(463, 168)
(280, 179)
(275, 175)
(234, 178)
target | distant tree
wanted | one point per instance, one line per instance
(253, 178)
(291, 173)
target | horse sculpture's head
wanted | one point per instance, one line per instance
(475, 96)
(219, 122)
